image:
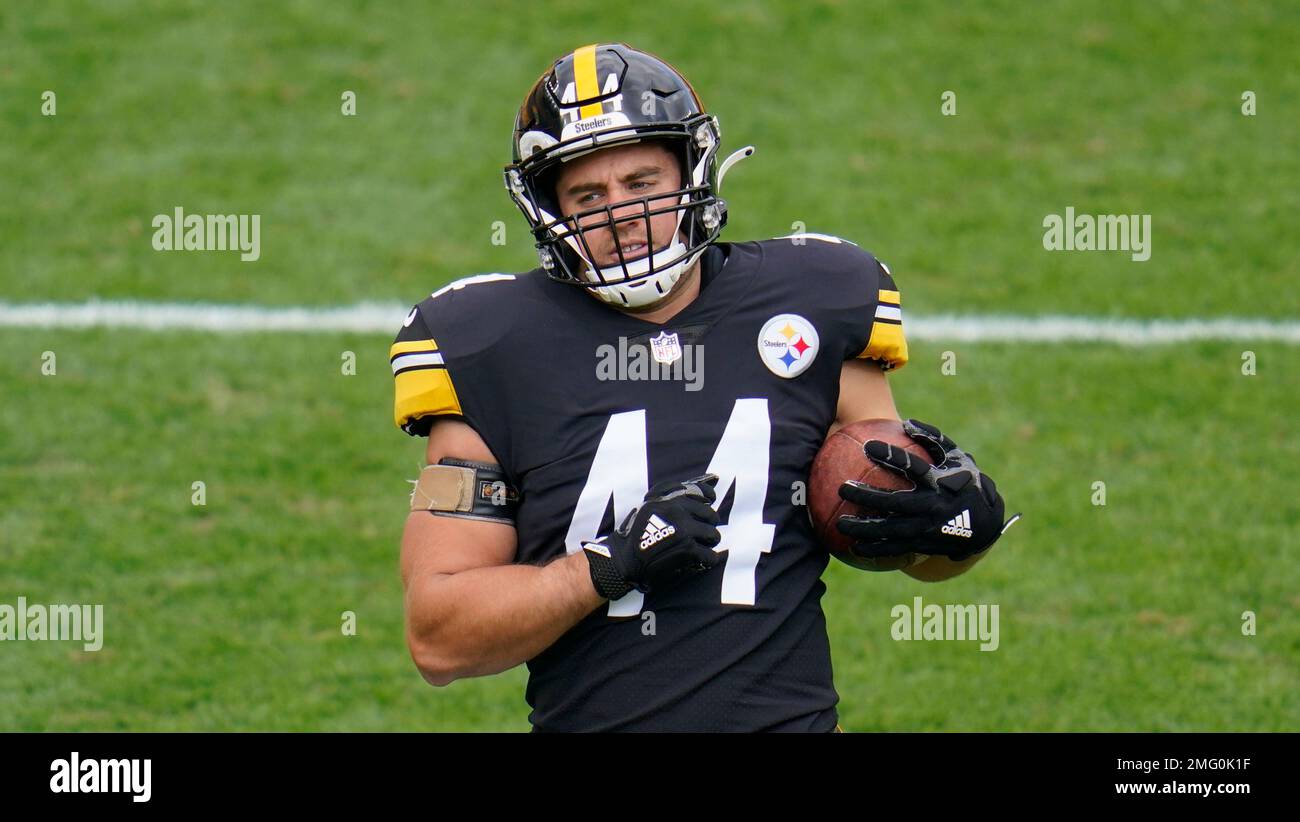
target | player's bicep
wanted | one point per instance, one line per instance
(453, 438)
(864, 394)
(433, 544)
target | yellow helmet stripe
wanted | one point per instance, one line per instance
(584, 74)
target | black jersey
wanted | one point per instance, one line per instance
(586, 407)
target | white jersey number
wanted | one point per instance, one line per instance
(620, 471)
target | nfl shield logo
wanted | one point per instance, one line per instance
(665, 348)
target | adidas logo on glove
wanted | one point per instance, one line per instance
(655, 530)
(959, 526)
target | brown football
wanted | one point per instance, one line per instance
(840, 459)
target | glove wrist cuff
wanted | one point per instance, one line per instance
(609, 583)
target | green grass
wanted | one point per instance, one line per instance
(1133, 108)
(227, 616)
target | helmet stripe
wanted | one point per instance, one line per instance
(584, 74)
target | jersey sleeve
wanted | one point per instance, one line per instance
(423, 387)
(886, 342)
(859, 300)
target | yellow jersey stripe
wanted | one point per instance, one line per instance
(584, 74)
(887, 344)
(411, 346)
(423, 392)
(891, 297)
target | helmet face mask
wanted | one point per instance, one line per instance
(642, 99)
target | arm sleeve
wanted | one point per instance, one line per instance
(423, 388)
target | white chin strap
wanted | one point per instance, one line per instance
(646, 291)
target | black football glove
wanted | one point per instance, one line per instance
(670, 536)
(954, 511)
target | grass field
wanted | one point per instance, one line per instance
(227, 616)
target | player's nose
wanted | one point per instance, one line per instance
(625, 212)
(633, 206)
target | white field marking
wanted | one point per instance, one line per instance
(386, 318)
(213, 317)
(1051, 328)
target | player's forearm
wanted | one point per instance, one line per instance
(487, 620)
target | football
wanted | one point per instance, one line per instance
(841, 458)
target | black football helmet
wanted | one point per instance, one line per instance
(601, 96)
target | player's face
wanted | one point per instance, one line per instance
(616, 175)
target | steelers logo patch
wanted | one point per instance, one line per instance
(787, 345)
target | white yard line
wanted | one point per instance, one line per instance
(386, 318)
(1051, 328)
(213, 317)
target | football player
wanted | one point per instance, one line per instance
(637, 538)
